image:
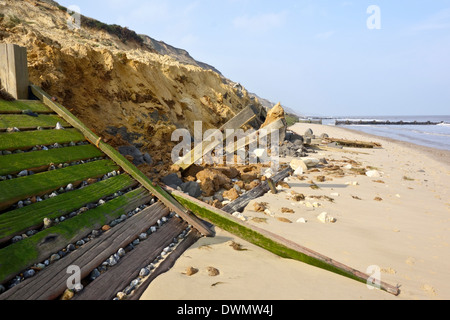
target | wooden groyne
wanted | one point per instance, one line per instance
(387, 122)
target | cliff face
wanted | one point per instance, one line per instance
(111, 81)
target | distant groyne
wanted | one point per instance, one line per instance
(387, 122)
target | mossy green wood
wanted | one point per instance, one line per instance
(19, 221)
(18, 106)
(159, 192)
(28, 139)
(271, 243)
(23, 254)
(12, 191)
(25, 122)
(14, 163)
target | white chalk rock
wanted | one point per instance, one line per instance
(326, 218)
(261, 153)
(335, 194)
(298, 172)
(298, 163)
(59, 126)
(311, 162)
(301, 220)
(373, 174)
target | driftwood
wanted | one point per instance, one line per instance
(355, 143)
(239, 204)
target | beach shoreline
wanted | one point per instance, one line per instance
(396, 223)
(440, 155)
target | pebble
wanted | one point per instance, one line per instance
(78, 287)
(22, 173)
(29, 273)
(121, 253)
(121, 295)
(112, 261)
(143, 236)
(373, 174)
(40, 266)
(301, 220)
(94, 274)
(69, 187)
(80, 243)
(16, 239)
(55, 257)
(144, 272)
(47, 223)
(326, 218)
(68, 294)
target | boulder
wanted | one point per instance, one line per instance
(172, 180)
(212, 180)
(231, 194)
(192, 188)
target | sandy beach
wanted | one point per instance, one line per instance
(397, 224)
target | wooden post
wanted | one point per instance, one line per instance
(14, 70)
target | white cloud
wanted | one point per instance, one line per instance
(261, 22)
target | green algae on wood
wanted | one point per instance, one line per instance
(14, 163)
(18, 106)
(39, 184)
(19, 221)
(274, 243)
(25, 122)
(28, 139)
(160, 193)
(16, 257)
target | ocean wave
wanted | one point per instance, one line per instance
(444, 124)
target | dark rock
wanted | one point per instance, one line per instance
(192, 188)
(172, 180)
(147, 158)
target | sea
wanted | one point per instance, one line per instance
(434, 136)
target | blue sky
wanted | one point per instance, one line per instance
(317, 57)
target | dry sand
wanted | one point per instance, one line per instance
(406, 234)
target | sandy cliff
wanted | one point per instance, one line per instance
(111, 81)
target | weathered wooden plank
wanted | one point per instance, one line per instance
(51, 282)
(355, 143)
(19, 106)
(40, 160)
(12, 191)
(28, 139)
(242, 202)
(30, 217)
(167, 264)
(14, 70)
(26, 122)
(18, 256)
(272, 242)
(245, 116)
(160, 193)
(109, 284)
